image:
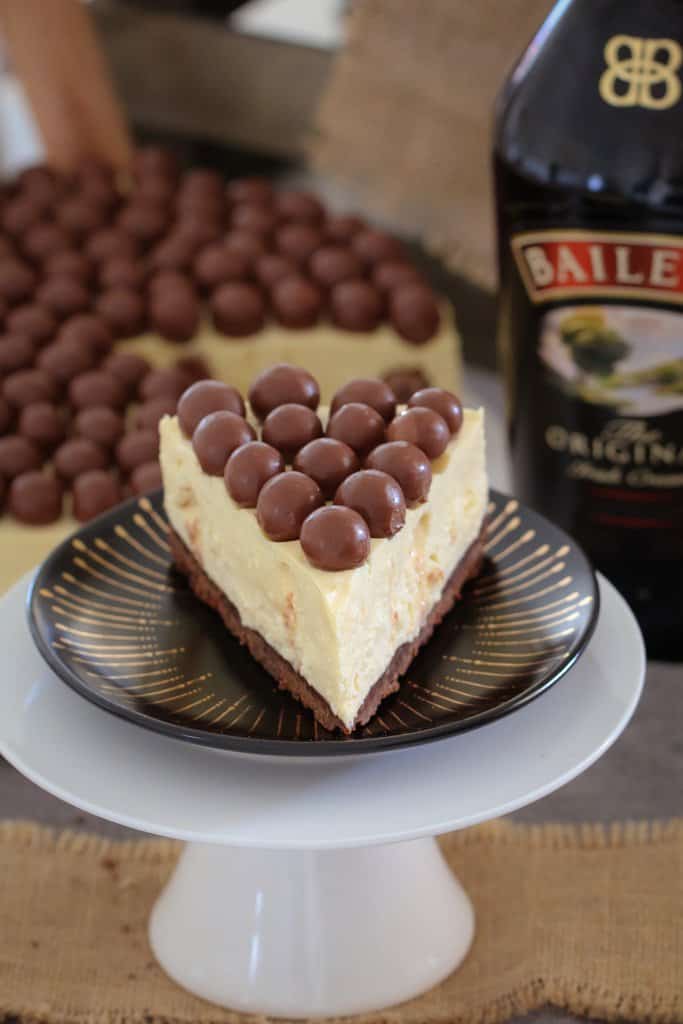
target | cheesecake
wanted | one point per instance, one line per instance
(331, 541)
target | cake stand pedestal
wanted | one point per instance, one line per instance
(312, 887)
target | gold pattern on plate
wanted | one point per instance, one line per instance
(140, 521)
(142, 549)
(115, 553)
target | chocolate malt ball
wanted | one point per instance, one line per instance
(373, 246)
(422, 427)
(97, 387)
(445, 403)
(248, 244)
(358, 425)
(215, 264)
(328, 462)
(6, 417)
(284, 502)
(19, 215)
(129, 367)
(18, 455)
(26, 386)
(80, 217)
(204, 397)
(17, 352)
(136, 448)
(122, 272)
(238, 309)
(296, 302)
(217, 436)
(63, 296)
(170, 381)
(110, 243)
(408, 465)
(35, 498)
(34, 322)
(298, 242)
(175, 314)
(272, 267)
(146, 478)
(280, 384)
(356, 306)
(44, 240)
(64, 360)
(101, 424)
(335, 538)
(150, 413)
(299, 206)
(377, 497)
(250, 467)
(87, 330)
(17, 281)
(78, 455)
(331, 264)
(69, 263)
(342, 227)
(289, 427)
(43, 423)
(124, 311)
(94, 491)
(144, 221)
(256, 217)
(250, 190)
(414, 312)
(370, 391)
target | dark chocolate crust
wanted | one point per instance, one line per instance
(285, 675)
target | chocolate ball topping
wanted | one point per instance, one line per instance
(358, 425)
(370, 391)
(377, 497)
(422, 427)
(335, 538)
(238, 309)
(44, 240)
(289, 427)
(124, 311)
(272, 267)
(254, 217)
(373, 246)
(441, 401)
(122, 272)
(405, 381)
(392, 273)
(68, 263)
(328, 462)
(33, 322)
(204, 397)
(26, 386)
(129, 367)
(146, 478)
(414, 312)
(299, 206)
(216, 438)
(64, 360)
(63, 296)
(280, 384)
(43, 423)
(149, 414)
(89, 331)
(170, 381)
(216, 264)
(331, 264)
(77, 456)
(297, 241)
(343, 226)
(250, 190)
(249, 468)
(6, 417)
(18, 455)
(175, 314)
(100, 424)
(97, 387)
(356, 306)
(17, 352)
(248, 244)
(284, 503)
(35, 498)
(136, 448)
(94, 492)
(296, 302)
(17, 281)
(408, 465)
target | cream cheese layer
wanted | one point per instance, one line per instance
(332, 355)
(339, 630)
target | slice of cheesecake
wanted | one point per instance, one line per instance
(333, 599)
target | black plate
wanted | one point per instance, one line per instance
(115, 621)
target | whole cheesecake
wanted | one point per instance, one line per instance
(331, 541)
(116, 293)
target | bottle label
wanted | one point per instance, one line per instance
(626, 364)
(610, 264)
(641, 72)
(598, 357)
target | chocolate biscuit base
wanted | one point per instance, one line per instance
(285, 675)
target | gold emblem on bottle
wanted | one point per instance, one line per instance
(641, 72)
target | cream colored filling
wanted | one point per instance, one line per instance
(339, 630)
(332, 355)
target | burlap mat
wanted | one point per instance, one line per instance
(408, 112)
(586, 918)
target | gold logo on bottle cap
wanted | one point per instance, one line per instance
(641, 72)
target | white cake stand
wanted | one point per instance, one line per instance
(312, 887)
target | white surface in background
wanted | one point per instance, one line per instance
(316, 23)
(20, 143)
